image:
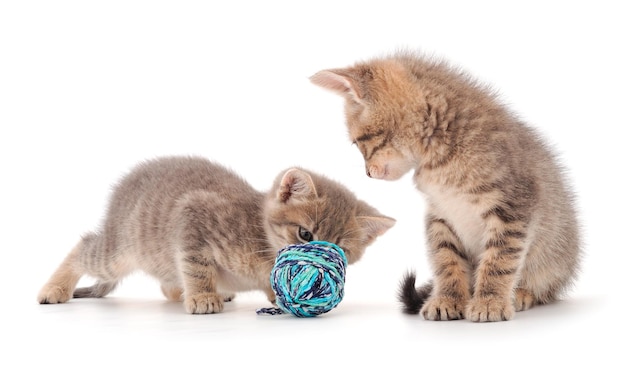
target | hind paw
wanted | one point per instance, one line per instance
(53, 294)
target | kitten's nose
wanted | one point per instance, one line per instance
(375, 171)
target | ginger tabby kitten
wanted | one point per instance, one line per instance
(205, 233)
(501, 221)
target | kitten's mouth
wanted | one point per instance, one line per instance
(387, 172)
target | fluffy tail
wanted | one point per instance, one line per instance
(96, 258)
(413, 298)
(99, 289)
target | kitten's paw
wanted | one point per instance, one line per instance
(204, 303)
(229, 297)
(53, 294)
(524, 300)
(489, 309)
(443, 308)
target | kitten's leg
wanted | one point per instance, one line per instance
(198, 268)
(63, 281)
(91, 256)
(452, 273)
(271, 295)
(175, 293)
(524, 300)
(172, 293)
(199, 276)
(496, 275)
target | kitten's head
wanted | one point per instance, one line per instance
(303, 206)
(377, 100)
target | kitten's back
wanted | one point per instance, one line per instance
(149, 192)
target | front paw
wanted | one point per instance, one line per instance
(204, 303)
(443, 308)
(489, 309)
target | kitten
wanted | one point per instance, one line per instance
(205, 233)
(501, 221)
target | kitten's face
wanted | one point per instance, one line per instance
(374, 116)
(304, 207)
(375, 136)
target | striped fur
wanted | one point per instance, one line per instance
(205, 233)
(501, 223)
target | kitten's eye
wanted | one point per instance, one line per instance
(304, 235)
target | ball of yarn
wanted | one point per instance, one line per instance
(309, 278)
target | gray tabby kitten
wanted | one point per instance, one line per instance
(205, 233)
(501, 221)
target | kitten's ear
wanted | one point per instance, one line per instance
(345, 82)
(375, 226)
(296, 184)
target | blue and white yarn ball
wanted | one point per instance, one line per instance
(308, 279)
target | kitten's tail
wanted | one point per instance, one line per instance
(413, 298)
(100, 289)
(90, 258)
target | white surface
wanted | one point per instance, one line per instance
(88, 90)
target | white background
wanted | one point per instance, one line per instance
(88, 89)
